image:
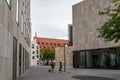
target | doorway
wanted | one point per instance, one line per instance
(95, 61)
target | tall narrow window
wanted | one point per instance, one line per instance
(17, 10)
(14, 74)
(22, 23)
(20, 52)
(33, 57)
(37, 51)
(82, 59)
(33, 52)
(23, 59)
(24, 29)
(32, 45)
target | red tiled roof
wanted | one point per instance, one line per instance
(50, 42)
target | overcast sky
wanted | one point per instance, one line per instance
(50, 18)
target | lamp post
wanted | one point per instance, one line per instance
(65, 58)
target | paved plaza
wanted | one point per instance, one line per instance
(41, 73)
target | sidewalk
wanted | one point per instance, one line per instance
(41, 73)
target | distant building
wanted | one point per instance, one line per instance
(15, 38)
(89, 51)
(50, 43)
(35, 58)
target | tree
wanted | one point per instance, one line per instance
(48, 54)
(110, 30)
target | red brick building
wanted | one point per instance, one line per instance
(50, 42)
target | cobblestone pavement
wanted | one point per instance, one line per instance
(41, 73)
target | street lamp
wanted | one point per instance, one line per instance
(65, 58)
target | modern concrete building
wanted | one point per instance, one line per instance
(35, 53)
(15, 35)
(89, 51)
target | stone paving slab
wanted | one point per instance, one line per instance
(41, 73)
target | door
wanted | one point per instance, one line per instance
(82, 60)
(95, 60)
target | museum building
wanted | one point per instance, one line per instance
(89, 51)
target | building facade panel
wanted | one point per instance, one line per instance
(89, 51)
(59, 55)
(9, 29)
(86, 21)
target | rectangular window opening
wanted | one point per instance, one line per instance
(17, 10)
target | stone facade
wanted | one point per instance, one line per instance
(89, 51)
(86, 21)
(59, 55)
(15, 35)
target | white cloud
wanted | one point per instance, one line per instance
(50, 18)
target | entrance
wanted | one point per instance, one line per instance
(82, 59)
(95, 61)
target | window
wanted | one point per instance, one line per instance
(20, 52)
(42, 42)
(24, 31)
(14, 58)
(32, 45)
(33, 52)
(22, 23)
(37, 47)
(46, 43)
(37, 56)
(17, 9)
(37, 51)
(33, 57)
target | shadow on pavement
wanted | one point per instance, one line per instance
(85, 77)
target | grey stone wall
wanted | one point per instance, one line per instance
(86, 20)
(59, 55)
(9, 29)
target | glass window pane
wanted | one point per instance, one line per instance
(17, 11)
(113, 60)
(118, 60)
(82, 59)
